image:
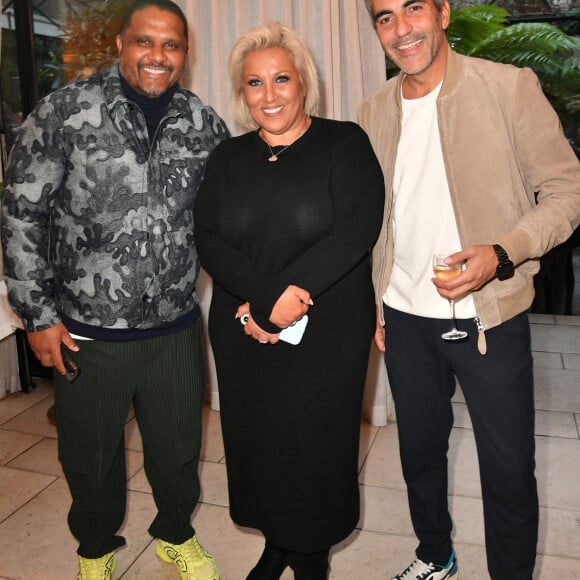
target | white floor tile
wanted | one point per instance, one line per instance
(571, 361)
(212, 445)
(548, 423)
(15, 404)
(16, 489)
(555, 338)
(214, 483)
(42, 524)
(40, 544)
(541, 319)
(383, 466)
(550, 568)
(368, 433)
(467, 515)
(556, 424)
(463, 464)
(566, 320)
(13, 444)
(42, 458)
(385, 510)
(371, 555)
(559, 533)
(549, 360)
(133, 436)
(557, 390)
(461, 416)
(139, 482)
(33, 419)
(134, 462)
(558, 473)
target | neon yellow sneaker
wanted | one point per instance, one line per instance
(97, 568)
(193, 561)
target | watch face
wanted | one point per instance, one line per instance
(505, 271)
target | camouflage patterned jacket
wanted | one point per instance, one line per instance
(97, 224)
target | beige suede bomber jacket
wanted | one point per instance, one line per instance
(502, 143)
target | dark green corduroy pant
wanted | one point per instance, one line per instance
(164, 379)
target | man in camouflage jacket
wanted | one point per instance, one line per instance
(97, 231)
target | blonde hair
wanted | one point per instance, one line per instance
(271, 35)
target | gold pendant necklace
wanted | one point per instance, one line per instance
(274, 156)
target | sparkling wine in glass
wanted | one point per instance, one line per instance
(445, 271)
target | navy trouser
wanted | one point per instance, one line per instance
(164, 379)
(498, 390)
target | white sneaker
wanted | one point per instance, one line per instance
(418, 570)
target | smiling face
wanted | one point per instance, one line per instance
(152, 51)
(274, 94)
(412, 33)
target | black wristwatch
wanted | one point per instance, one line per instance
(505, 268)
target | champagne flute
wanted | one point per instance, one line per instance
(445, 271)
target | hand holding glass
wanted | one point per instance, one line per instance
(445, 271)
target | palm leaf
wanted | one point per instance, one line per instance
(468, 26)
(539, 38)
(483, 31)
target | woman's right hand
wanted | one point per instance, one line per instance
(251, 329)
(292, 305)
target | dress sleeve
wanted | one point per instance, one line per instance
(33, 177)
(225, 263)
(358, 195)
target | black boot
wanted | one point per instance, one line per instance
(271, 564)
(309, 566)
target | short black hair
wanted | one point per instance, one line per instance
(161, 4)
(369, 4)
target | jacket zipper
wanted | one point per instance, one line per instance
(481, 342)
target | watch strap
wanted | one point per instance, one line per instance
(501, 254)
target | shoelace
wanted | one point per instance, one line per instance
(195, 550)
(418, 569)
(192, 552)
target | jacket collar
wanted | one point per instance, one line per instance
(452, 72)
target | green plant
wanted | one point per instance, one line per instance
(89, 37)
(484, 31)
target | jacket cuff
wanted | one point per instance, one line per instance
(517, 244)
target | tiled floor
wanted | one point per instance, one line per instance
(35, 541)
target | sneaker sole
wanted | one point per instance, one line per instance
(454, 576)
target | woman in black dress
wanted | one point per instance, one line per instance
(284, 220)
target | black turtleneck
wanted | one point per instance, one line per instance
(153, 109)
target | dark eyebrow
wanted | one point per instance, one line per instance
(386, 12)
(382, 13)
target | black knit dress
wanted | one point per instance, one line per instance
(291, 414)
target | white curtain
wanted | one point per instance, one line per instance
(349, 58)
(351, 66)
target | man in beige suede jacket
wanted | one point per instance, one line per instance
(475, 164)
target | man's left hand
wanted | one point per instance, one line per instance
(480, 267)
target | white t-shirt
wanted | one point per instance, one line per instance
(423, 218)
